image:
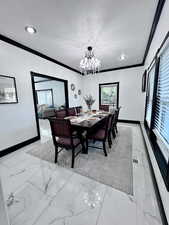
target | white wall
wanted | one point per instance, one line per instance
(161, 31)
(17, 121)
(131, 98)
(58, 89)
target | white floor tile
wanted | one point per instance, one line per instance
(47, 194)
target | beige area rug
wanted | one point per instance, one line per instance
(115, 170)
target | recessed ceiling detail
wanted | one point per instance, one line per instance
(65, 29)
(122, 57)
(30, 29)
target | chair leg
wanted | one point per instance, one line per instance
(86, 146)
(82, 141)
(109, 139)
(113, 133)
(73, 157)
(116, 128)
(56, 154)
(104, 148)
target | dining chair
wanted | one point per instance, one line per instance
(63, 137)
(111, 131)
(71, 111)
(78, 109)
(100, 134)
(116, 118)
(62, 113)
(104, 108)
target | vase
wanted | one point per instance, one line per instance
(89, 108)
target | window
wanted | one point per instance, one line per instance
(161, 119)
(157, 111)
(150, 89)
(45, 97)
(109, 94)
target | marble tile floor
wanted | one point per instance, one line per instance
(41, 193)
(45, 130)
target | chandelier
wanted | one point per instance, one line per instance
(89, 64)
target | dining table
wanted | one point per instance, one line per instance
(86, 122)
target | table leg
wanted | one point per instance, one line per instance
(82, 140)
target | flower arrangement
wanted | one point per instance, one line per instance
(89, 101)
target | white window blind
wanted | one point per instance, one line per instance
(161, 120)
(150, 95)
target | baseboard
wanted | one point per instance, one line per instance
(129, 121)
(18, 146)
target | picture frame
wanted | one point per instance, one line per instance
(8, 90)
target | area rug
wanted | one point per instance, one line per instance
(115, 170)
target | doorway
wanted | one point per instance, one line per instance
(49, 94)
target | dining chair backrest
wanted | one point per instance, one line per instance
(117, 114)
(104, 108)
(78, 109)
(62, 113)
(60, 128)
(71, 111)
(111, 120)
(105, 123)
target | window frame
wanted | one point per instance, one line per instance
(104, 84)
(154, 138)
(147, 95)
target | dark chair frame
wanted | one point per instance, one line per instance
(59, 111)
(71, 146)
(71, 111)
(78, 109)
(104, 108)
(116, 119)
(111, 129)
(103, 125)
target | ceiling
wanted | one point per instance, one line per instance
(66, 27)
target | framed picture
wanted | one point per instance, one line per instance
(109, 94)
(8, 92)
(144, 78)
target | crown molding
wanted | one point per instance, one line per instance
(121, 68)
(154, 27)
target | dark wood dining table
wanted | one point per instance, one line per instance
(86, 122)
